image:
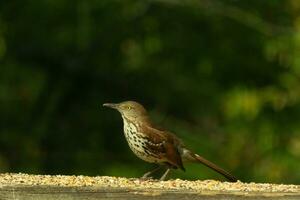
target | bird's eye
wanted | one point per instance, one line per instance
(128, 107)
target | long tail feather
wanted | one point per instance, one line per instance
(216, 168)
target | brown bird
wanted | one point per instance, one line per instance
(154, 145)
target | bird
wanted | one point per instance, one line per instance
(155, 145)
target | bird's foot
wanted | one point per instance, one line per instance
(147, 178)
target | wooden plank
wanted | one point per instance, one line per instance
(29, 187)
(91, 193)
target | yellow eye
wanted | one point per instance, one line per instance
(128, 107)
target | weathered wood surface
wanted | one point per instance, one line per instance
(91, 193)
(31, 187)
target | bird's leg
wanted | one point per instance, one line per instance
(146, 175)
(163, 177)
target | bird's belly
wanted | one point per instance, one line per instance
(137, 144)
(143, 155)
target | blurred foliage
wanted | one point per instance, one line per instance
(223, 75)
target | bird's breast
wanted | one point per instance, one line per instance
(137, 141)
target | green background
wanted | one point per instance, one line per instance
(223, 75)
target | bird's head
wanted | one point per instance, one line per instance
(129, 109)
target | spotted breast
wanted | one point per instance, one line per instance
(139, 143)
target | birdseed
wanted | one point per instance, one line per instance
(20, 179)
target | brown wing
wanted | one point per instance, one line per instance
(166, 145)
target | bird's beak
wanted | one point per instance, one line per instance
(111, 105)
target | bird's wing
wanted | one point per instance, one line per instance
(166, 144)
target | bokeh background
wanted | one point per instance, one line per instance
(223, 75)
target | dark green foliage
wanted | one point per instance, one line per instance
(223, 75)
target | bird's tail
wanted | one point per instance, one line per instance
(188, 155)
